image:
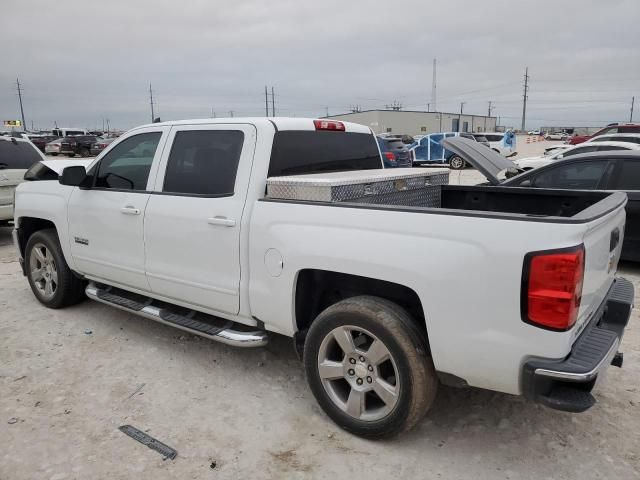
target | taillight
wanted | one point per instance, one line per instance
(552, 288)
(390, 156)
(329, 125)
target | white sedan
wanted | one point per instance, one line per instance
(530, 163)
(556, 136)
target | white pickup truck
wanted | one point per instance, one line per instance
(507, 289)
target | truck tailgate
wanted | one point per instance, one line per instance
(603, 244)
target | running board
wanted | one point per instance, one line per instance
(198, 323)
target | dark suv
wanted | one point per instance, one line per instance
(77, 145)
(395, 153)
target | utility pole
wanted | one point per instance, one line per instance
(490, 109)
(633, 100)
(433, 87)
(231, 113)
(24, 125)
(108, 127)
(151, 102)
(460, 116)
(524, 97)
(266, 101)
(428, 107)
(273, 103)
(326, 111)
(213, 114)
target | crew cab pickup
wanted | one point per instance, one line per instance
(238, 229)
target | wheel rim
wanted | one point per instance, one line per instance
(358, 373)
(456, 162)
(44, 272)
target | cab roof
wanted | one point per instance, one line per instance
(280, 123)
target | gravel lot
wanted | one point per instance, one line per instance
(69, 378)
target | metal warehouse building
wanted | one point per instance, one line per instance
(418, 123)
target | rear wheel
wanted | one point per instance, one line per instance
(368, 368)
(457, 163)
(85, 152)
(51, 280)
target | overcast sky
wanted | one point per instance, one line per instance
(84, 61)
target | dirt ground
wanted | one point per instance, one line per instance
(69, 378)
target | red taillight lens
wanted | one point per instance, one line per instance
(390, 156)
(553, 288)
(329, 125)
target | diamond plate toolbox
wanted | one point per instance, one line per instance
(400, 186)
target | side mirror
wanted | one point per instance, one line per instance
(73, 176)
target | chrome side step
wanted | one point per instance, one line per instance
(198, 323)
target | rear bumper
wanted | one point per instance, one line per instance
(567, 384)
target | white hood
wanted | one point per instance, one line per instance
(59, 165)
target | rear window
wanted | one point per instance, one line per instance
(299, 152)
(19, 155)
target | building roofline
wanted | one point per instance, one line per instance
(408, 111)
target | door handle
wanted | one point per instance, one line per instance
(130, 210)
(222, 221)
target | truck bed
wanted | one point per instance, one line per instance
(564, 206)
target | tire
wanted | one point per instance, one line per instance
(84, 153)
(404, 374)
(456, 162)
(71, 154)
(54, 154)
(50, 278)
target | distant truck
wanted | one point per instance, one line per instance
(389, 281)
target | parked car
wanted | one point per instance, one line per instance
(16, 156)
(499, 142)
(535, 162)
(395, 152)
(363, 288)
(609, 170)
(556, 136)
(40, 141)
(53, 147)
(77, 145)
(534, 132)
(616, 137)
(609, 129)
(68, 131)
(553, 149)
(428, 150)
(100, 144)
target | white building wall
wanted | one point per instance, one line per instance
(418, 123)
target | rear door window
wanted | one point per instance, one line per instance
(629, 177)
(574, 176)
(629, 129)
(204, 162)
(585, 149)
(18, 155)
(297, 152)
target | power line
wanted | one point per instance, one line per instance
(273, 102)
(525, 96)
(24, 125)
(151, 103)
(433, 88)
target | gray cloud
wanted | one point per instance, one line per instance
(83, 61)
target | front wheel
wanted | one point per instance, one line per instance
(457, 163)
(368, 367)
(51, 280)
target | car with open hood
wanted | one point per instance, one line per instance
(608, 170)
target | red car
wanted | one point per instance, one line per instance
(615, 128)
